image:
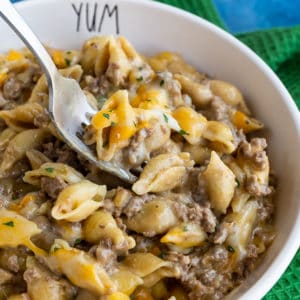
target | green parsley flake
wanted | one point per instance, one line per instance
(10, 224)
(105, 115)
(49, 170)
(69, 52)
(113, 124)
(139, 79)
(185, 228)
(101, 100)
(134, 123)
(68, 62)
(77, 241)
(148, 100)
(162, 82)
(55, 249)
(105, 144)
(237, 182)
(230, 249)
(166, 118)
(182, 132)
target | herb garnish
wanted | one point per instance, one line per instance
(183, 132)
(68, 62)
(237, 182)
(162, 82)
(49, 170)
(77, 241)
(105, 144)
(185, 228)
(112, 124)
(105, 115)
(139, 79)
(166, 118)
(10, 224)
(230, 249)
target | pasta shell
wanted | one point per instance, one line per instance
(143, 264)
(36, 158)
(163, 172)
(200, 93)
(44, 285)
(80, 268)
(151, 268)
(53, 170)
(226, 91)
(17, 230)
(156, 217)
(185, 236)
(220, 136)
(243, 225)
(95, 55)
(191, 122)
(5, 136)
(126, 281)
(220, 183)
(22, 116)
(20, 144)
(101, 225)
(78, 201)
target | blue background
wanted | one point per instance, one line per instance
(248, 15)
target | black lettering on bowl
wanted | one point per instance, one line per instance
(92, 17)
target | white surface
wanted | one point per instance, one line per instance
(153, 27)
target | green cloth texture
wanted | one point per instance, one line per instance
(280, 49)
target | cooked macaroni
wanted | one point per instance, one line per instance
(194, 223)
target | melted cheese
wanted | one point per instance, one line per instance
(185, 236)
(117, 114)
(150, 98)
(191, 122)
(16, 230)
(80, 268)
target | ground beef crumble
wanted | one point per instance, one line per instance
(52, 186)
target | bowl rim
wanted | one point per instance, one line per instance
(280, 263)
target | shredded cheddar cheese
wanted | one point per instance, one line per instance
(185, 236)
(150, 98)
(58, 59)
(16, 230)
(118, 110)
(247, 124)
(192, 123)
(14, 55)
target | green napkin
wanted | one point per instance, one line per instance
(280, 49)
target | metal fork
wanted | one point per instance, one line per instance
(68, 106)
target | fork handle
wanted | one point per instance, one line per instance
(16, 22)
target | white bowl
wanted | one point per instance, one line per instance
(153, 27)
